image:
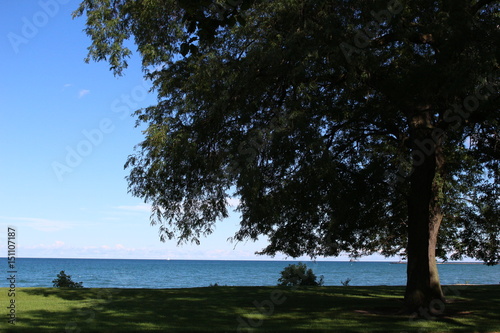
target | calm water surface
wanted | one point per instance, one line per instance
(126, 273)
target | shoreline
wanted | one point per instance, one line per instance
(256, 287)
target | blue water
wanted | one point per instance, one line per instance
(125, 273)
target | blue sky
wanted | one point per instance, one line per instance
(65, 133)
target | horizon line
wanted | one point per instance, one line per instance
(292, 259)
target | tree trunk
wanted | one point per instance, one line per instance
(423, 289)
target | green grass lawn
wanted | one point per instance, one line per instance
(246, 309)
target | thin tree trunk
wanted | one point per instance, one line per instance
(423, 289)
(436, 217)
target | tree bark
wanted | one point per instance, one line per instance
(423, 289)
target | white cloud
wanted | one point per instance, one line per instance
(83, 92)
(39, 223)
(55, 245)
(58, 244)
(59, 249)
(66, 86)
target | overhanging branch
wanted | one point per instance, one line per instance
(480, 4)
(416, 38)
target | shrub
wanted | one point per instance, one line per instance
(64, 281)
(346, 282)
(298, 275)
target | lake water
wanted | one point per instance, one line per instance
(125, 273)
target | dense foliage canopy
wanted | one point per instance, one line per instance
(341, 126)
(305, 109)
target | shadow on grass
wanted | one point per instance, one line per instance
(230, 309)
(134, 310)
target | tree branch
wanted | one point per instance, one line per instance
(480, 4)
(417, 38)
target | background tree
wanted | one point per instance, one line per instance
(342, 126)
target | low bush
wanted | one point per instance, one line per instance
(299, 275)
(64, 281)
(346, 282)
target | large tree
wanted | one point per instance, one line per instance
(341, 126)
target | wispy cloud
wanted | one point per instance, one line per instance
(135, 208)
(83, 92)
(39, 223)
(66, 86)
(59, 249)
(55, 245)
